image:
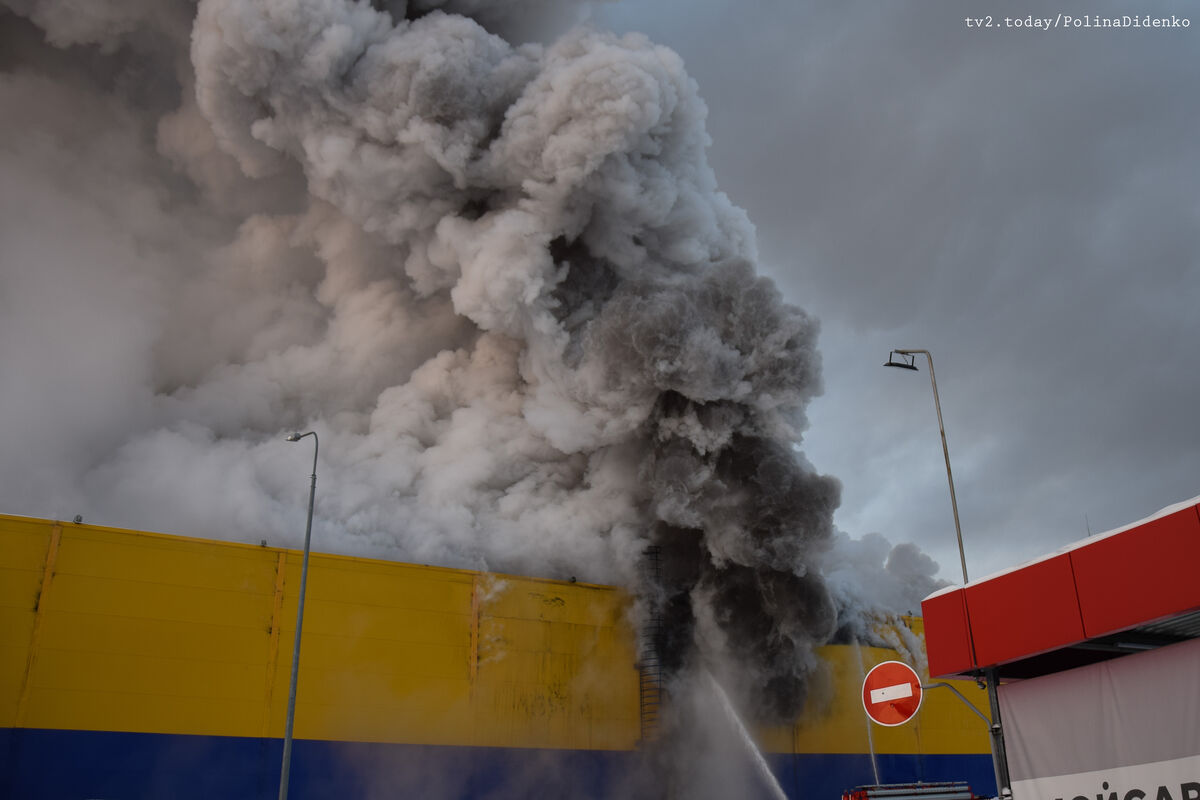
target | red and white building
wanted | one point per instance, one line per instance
(1096, 654)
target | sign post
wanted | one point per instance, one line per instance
(891, 693)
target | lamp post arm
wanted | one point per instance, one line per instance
(937, 404)
(316, 449)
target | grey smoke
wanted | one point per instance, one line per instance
(500, 280)
(872, 580)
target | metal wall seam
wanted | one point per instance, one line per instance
(39, 615)
(273, 640)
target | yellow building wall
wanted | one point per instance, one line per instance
(107, 629)
(117, 630)
(835, 721)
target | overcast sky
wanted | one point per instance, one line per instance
(1022, 203)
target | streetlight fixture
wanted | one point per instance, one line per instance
(907, 359)
(285, 769)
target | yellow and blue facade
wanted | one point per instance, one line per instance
(138, 664)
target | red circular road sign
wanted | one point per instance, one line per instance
(891, 693)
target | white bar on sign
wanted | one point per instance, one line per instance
(891, 693)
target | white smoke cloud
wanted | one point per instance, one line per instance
(872, 580)
(109, 25)
(498, 280)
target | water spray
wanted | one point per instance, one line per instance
(756, 756)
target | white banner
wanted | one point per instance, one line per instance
(1123, 729)
(1178, 779)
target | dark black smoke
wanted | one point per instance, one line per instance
(740, 517)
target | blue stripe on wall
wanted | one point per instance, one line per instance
(62, 764)
(824, 776)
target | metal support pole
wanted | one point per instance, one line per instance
(945, 452)
(999, 764)
(285, 768)
(999, 755)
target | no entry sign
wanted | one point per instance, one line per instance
(891, 693)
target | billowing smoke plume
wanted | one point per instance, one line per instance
(499, 280)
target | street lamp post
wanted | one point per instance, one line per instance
(285, 769)
(990, 677)
(906, 362)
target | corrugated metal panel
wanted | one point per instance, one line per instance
(836, 723)
(24, 546)
(162, 635)
(1185, 626)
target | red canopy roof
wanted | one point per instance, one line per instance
(1049, 614)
